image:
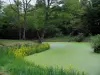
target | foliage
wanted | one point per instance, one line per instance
(95, 41)
(91, 17)
(38, 18)
(1, 5)
(80, 37)
(62, 18)
(9, 14)
(28, 49)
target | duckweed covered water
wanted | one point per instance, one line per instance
(79, 55)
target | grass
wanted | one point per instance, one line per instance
(62, 54)
(14, 42)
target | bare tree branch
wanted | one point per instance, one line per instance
(29, 1)
(12, 6)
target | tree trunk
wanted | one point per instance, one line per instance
(39, 37)
(24, 26)
(20, 33)
(19, 25)
(24, 33)
(43, 34)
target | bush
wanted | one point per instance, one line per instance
(79, 38)
(95, 41)
(25, 50)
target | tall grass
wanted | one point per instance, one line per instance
(5, 58)
(18, 66)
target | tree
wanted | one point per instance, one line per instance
(48, 4)
(68, 16)
(39, 3)
(42, 14)
(1, 5)
(8, 21)
(25, 4)
(91, 17)
(1, 14)
(39, 23)
(9, 15)
(17, 10)
(86, 3)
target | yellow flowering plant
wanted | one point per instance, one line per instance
(25, 50)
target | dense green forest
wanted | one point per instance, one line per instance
(52, 18)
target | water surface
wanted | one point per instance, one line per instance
(62, 54)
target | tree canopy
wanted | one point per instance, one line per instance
(49, 17)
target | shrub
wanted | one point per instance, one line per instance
(95, 41)
(25, 50)
(79, 38)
